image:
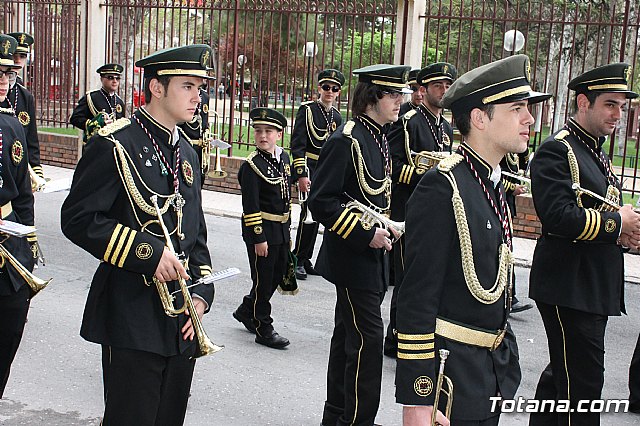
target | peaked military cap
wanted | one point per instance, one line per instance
(110, 69)
(503, 81)
(334, 76)
(24, 41)
(607, 78)
(437, 71)
(388, 77)
(8, 46)
(413, 76)
(268, 116)
(193, 60)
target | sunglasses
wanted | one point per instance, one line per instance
(112, 77)
(326, 88)
(9, 74)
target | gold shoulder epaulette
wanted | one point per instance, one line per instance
(114, 127)
(348, 128)
(448, 164)
(91, 91)
(251, 155)
(407, 115)
(561, 135)
(9, 111)
(307, 103)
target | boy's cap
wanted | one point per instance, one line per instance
(268, 116)
(332, 76)
(499, 82)
(193, 60)
(607, 78)
(392, 78)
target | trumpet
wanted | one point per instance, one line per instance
(302, 200)
(610, 204)
(440, 389)
(370, 217)
(213, 140)
(205, 345)
(36, 284)
(426, 160)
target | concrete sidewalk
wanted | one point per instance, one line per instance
(230, 205)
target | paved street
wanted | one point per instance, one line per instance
(56, 378)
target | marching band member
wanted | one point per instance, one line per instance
(265, 179)
(16, 200)
(457, 286)
(577, 274)
(355, 165)
(315, 122)
(147, 356)
(100, 107)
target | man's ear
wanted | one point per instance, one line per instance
(156, 89)
(582, 101)
(477, 118)
(422, 89)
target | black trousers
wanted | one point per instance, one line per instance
(391, 340)
(13, 316)
(354, 373)
(634, 379)
(576, 371)
(267, 274)
(145, 389)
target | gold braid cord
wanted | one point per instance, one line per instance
(122, 159)
(407, 148)
(363, 172)
(311, 128)
(272, 181)
(505, 260)
(574, 169)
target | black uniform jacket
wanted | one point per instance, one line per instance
(417, 130)
(23, 103)
(345, 258)
(93, 103)
(265, 183)
(16, 190)
(590, 275)
(513, 163)
(102, 215)
(434, 286)
(200, 122)
(312, 128)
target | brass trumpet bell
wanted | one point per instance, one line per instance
(36, 284)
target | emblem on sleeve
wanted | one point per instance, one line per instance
(17, 152)
(118, 108)
(23, 118)
(144, 251)
(423, 386)
(610, 225)
(299, 170)
(187, 172)
(257, 229)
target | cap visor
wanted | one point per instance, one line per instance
(406, 91)
(532, 97)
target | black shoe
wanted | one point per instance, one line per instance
(247, 322)
(274, 340)
(301, 274)
(308, 267)
(520, 306)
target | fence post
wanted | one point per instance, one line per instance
(410, 32)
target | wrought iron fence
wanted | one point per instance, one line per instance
(52, 71)
(562, 38)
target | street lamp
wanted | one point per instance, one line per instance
(310, 50)
(241, 61)
(513, 41)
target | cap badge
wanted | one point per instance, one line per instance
(445, 69)
(333, 74)
(5, 47)
(22, 38)
(263, 114)
(527, 69)
(205, 59)
(405, 75)
(627, 75)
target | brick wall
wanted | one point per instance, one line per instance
(58, 150)
(526, 223)
(230, 183)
